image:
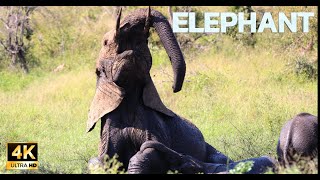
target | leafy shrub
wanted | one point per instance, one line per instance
(245, 38)
(242, 167)
(308, 69)
(111, 166)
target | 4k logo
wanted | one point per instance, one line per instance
(22, 155)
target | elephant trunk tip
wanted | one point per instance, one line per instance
(179, 76)
(172, 47)
(176, 89)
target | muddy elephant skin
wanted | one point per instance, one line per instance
(188, 165)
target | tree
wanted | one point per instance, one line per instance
(246, 38)
(16, 29)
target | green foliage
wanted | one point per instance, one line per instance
(288, 43)
(246, 38)
(159, 57)
(186, 40)
(173, 172)
(62, 41)
(15, 36)
(111, 166)
(2, 160)
(305, 68)
(242, 167)
(294, 41)
(51, 111)
(15, 81)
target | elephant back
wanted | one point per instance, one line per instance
(298, 136)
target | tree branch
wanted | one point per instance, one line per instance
(4, 46)
(7, 49)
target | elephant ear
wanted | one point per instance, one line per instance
(107, 98)
(152, 99)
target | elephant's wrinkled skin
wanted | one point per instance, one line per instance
(186, 164)
(127, 101)
(299, 136)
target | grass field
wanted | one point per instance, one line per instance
(238, 96)
(238, 101)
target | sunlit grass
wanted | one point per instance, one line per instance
(52, 112)
(239, 102)
(239, 97)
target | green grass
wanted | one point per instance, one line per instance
(239, 97)
(238, 102)
(52, 112)
(13, 81)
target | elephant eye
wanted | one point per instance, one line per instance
(97, 72)
(105, 42)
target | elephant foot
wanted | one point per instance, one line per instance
(260, 166)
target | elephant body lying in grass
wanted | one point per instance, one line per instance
(298, 139)
(127, 101)
(186, 164)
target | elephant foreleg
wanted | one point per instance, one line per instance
(147, 161)
(176, 161)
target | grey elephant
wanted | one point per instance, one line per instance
(186, 164)
(128, 103)
(299, 136)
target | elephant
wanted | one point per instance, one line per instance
(127, 101)
(299, 136)
(186, 164)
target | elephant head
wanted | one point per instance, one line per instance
(125, 61)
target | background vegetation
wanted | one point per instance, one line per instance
(239, 89)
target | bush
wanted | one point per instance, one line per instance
(305, 68)
(242, 167)
(246, 38)
(111, 166)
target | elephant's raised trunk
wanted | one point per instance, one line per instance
(148, 18)
(169, 41)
